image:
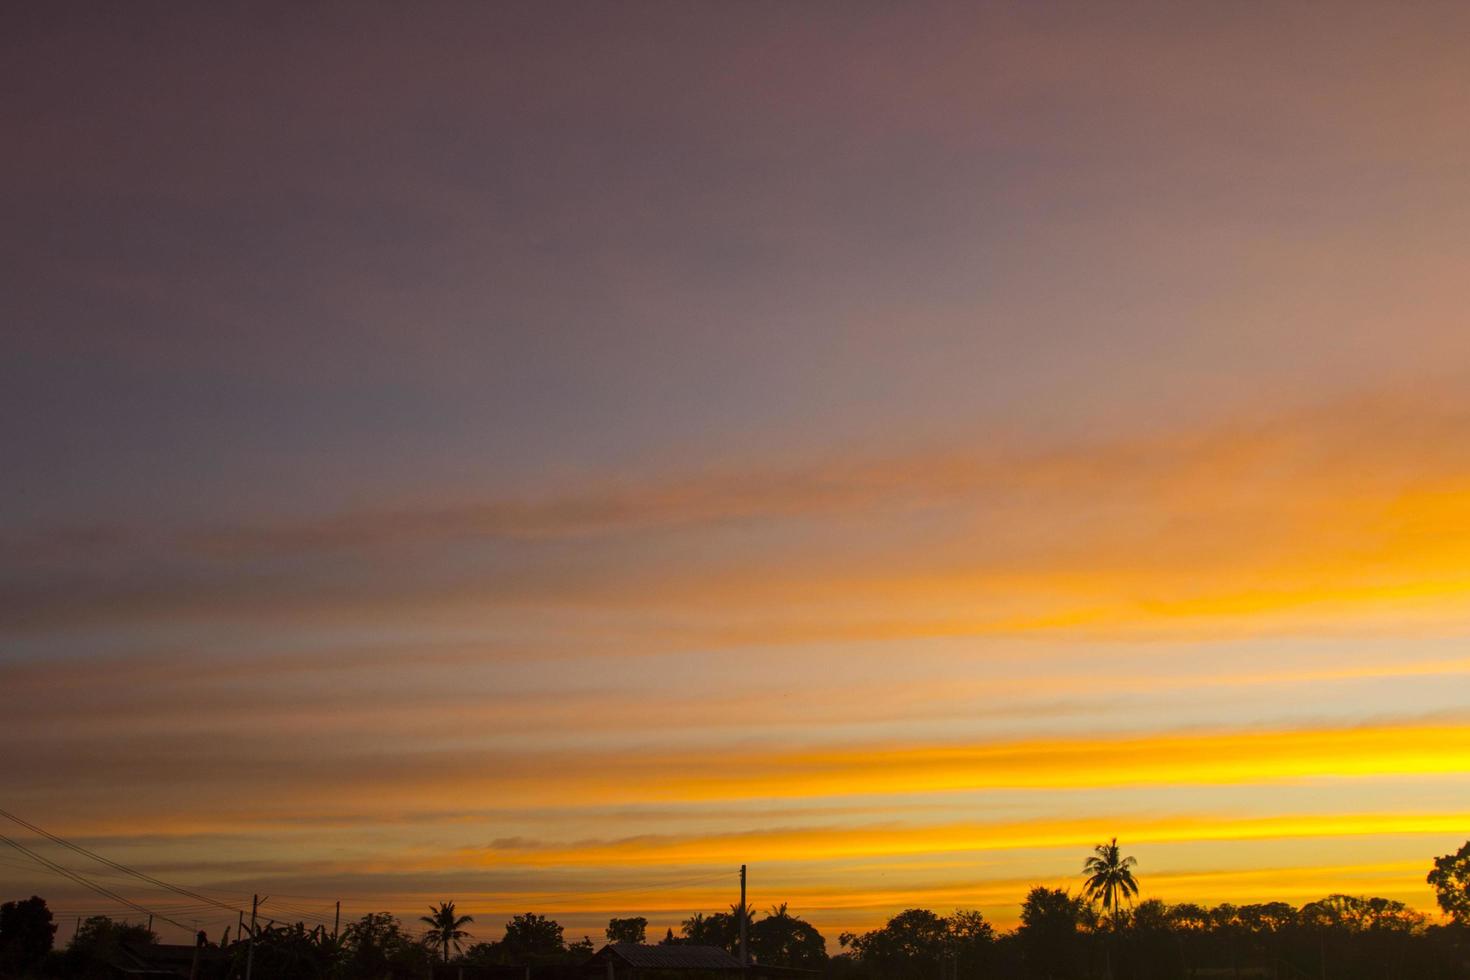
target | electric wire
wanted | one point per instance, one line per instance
(177, 889)
(86, 883)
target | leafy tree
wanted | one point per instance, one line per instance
(702, 931)
(97, 943)
(909, 947)
(1151, 916)
(1269, 917)
(721, 929)
(581, 949)
(631, 930)
(483, 954)
(1189, 917)
(1451, 882)
(291, 953)
(1353, 914)
(376, 946)
(918, 943)
(532, 935)
(971, 942)
(446, 928)
(782, 939)
(26, 933)
(1049, 934)
(99, 931)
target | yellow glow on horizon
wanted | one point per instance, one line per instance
(1180, 759)
(832, 843)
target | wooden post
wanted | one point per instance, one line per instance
(250, 950)
(744, 952)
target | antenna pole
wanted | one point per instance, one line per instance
(250, 950)
(744, 950)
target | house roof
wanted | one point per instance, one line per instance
(675, 956)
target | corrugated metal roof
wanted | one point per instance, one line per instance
(675, 956)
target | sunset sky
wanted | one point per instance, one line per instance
(547, 455)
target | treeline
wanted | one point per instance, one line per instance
(1064, 937)
(1060, 937)
(1096, 935)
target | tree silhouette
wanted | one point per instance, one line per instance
(782, 939)
(377, 946)
(720, 929)
(1060, 937)
(532, 935)
(1048, 936)
(971, 943)
(445, 927)
(631, 930)
(97, 943)
(26, 933)
(910, 946)
(1451, 881)
(1110, 878)
(293, 952)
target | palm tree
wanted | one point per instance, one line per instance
(1110, 878)
(445, 928)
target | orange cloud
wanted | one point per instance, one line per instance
(1357, 510)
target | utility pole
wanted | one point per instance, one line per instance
(337, 921)
(150, 921)
(239, 924)
(199, 940)
(744, 950)
(250, 950)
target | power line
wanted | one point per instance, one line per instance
(109, 877)
(85, 883)
(177, 889)
(210, 904)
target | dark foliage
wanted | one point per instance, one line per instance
(918, 944)
(376, 947)
(720, 929)
(26, 934)
(98, 943)
(782, 939)
(292, 952)
(632, 930)
(1451, 881)
(1341, 937)
(446, 927)
(532, 936)
(1060, 937)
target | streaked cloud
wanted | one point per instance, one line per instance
(892, 448)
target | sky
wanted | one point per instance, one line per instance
(546, 455)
